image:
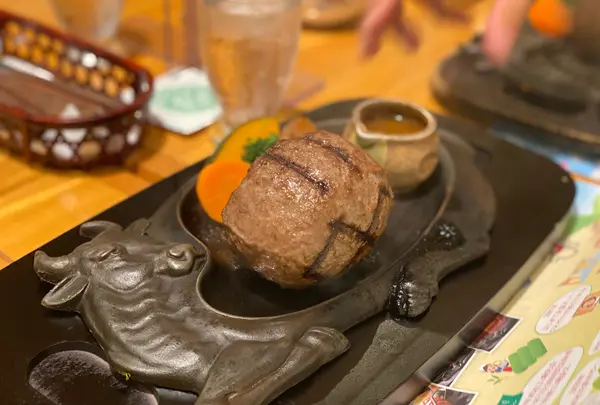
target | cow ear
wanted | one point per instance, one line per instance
(66, 294)
(139, 227)
(94, 228)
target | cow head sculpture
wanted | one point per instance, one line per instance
(115, 259)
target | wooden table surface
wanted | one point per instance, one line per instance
(38, 204)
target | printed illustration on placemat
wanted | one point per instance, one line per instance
(455, 369)
(564, 250)
(495, 333)
(585, 386)
(586, 207)
(527, 355)
(589, 304)
(546, 385)
(563, 310)
(582, 271)
(497, 367)
(510, 399)
(517, 362)
(595, 346)
(437, 395)
(586, 265)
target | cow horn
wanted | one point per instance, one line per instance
(51, 269)
(94, 228)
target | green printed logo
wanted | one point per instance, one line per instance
(510, 399)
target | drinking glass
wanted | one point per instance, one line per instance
(248, 49)
(95, 21)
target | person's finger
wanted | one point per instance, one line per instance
(407, 34)
(442, 10)
(379, 15)
(503, 26)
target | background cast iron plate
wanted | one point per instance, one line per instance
(533, 196)
(542, 86)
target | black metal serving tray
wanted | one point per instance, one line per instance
(543, 86)
(533, 197)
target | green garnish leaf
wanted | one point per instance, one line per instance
(256, 147)
(571, 3)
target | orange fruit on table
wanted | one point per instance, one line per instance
(552, 18)
(216, 183)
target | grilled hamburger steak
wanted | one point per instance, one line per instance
(308, 208)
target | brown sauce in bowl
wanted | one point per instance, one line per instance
(392, 119)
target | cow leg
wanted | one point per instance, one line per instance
(317, 347)
(241, 365)
(254, 373)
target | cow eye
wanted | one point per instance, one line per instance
(113, 251)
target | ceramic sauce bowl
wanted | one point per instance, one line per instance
(400, 136)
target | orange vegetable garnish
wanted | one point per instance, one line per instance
(216, 183)
(552, 18)
(233, 147)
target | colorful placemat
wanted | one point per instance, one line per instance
(544, 348)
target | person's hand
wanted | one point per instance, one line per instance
(501, 32)
(383, 14)
(502, 28)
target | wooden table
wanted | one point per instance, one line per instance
(37, 204)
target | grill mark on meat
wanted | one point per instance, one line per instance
(365, 238)
(384, 190)
(323, 186)
(383, 193)
(311, 271)
(337, 151)
(378, 208)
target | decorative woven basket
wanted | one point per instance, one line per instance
(103, 98)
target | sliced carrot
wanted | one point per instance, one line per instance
(216, 183)
(552, 18)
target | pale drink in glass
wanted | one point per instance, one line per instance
(248, 50)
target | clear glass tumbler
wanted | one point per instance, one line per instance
(91, 20)
(248, 49)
